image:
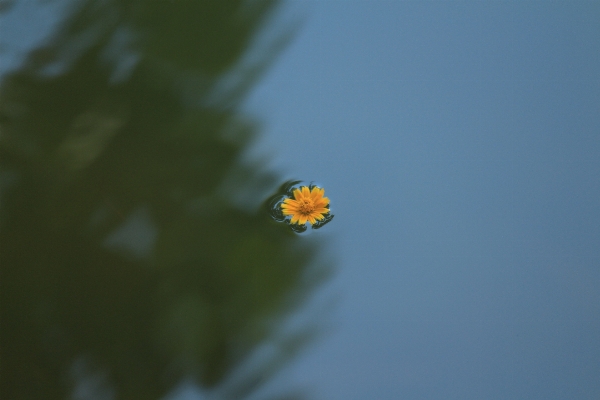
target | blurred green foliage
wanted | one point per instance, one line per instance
(125, 260)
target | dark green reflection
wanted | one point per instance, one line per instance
(125, 259)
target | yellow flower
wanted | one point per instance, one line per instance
(307, 205)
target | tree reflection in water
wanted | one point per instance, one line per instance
(126, 263)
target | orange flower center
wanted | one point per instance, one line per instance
(306, 206)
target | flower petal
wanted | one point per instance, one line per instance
(297, 194)
(291, 202)
(317, 193)
(305, 191)
(322, 202)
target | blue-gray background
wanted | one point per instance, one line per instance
(459, 143)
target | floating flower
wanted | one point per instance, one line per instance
(307, 205)
(295, 204)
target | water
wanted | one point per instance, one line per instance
(458, 143)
